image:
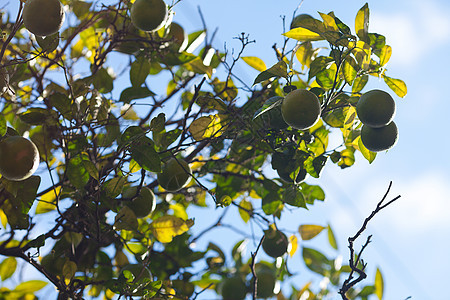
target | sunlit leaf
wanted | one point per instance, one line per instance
(7, 267)
(293, 242)
(316, 261)
(360, 83)
(166, 228)
(308, 232)
(30, 286)
(208, 127)
(369, 155)
(244, 211)
(331, 238)
(69, 270)
(379, 284)
(48, 201)
(2, 125)
(255, 62)
(385, 54)
(303, 35)
(396, 85)
(362, 23)
(350, 69)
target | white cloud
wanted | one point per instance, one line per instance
(421, 28)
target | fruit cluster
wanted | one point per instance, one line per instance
(376, 110)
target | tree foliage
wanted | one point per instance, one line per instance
(98, 135)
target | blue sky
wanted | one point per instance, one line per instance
(410, 238)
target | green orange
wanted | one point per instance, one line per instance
(174, 175)
(375, 108)
(301, 109)
(19, 158)
(43, 17)
(148, 15)
(143, 203)
(379, 139)
(275, 243)
(233, 288)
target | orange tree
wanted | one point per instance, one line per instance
(98, 137)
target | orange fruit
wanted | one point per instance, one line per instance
(375, 108)
(174, 175)
(301, 109)
(233, 288)
(379, 139)
(275, 243)
(148, 15)
(19, 158)
(142, 204)
(43, 17)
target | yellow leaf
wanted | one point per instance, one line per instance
(307, 232)
(255, 62)
(379, 284)
(329, 22)
(48, 201)
(293, 241)
(208, 126)
(166, 228)
(3, 218)
(303, 35)
(396, 85)
(179, 211)
(134, 167)
(247, 206)
(385, 54)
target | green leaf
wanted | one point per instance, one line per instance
(303, 35)
(331, 238)
(308, 232)
(30, 286)
(114, 186)
(7, 267)
(37, 242)
(69, 269)
(312, 193)
(76, 172)
(102, 81)
(277, 70)
(135, 92)
(157, 124)
(62, 103)
(314, 165)
(360, 83)
(139, 71)
(293, 196)
(255, 62)
(91, 169)
(379, 284)
(197, 66)
(3, 126)
(350, 69)
(125, 219)
(48, 43)
(318, 65)
(271, 203)
(316, 261)
(165, 228)
(247, 205)
(144, 153)
(271, 103)
(326, 77)
(347, 158)
(36, 116)
(369, 155)
(396, 85)
(305, 54)
(362, 23)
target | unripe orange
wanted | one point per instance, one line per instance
(19, 158)
(43, 17)
(148, 15)
(300, 109)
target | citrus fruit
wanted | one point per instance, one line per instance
(275, 243)
(43, 17)
(178, 35)
(4, 81)
(19, 158)
(375, 108)
(299, 19)
(142, 204)
(379, 139)
(300, 109)
(233, 288)
(266, 282)
(148, 15)
(174, 175)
